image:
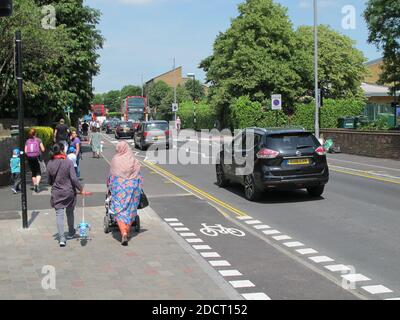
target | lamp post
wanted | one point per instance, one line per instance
(316, 70)
(192, 75)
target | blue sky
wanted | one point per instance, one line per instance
(143, 36)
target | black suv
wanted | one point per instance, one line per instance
(281, 159)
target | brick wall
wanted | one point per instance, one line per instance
(366, 143)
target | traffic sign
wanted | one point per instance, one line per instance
(276, 101)
(175, 107)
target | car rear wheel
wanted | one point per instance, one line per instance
(251, 192)
(221, 179)
(316, 191)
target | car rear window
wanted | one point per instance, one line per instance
(125, 124)
(157, 126)
(291, 141)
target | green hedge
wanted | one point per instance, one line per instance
(246, 113)
(44, 133)
(114, 115)
(332, 110)
(205, 115)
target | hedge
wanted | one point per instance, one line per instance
(44, 133)
(246, 113)
(205, 116)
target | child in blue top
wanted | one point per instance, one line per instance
(15, 166)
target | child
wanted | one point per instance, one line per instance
(15, 166)
(71, 155)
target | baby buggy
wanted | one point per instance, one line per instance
(109, 219)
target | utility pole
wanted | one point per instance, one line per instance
(142, 86)
(316, 70)
(18, 72)
(174, 89)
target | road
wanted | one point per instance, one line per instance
(341, 246)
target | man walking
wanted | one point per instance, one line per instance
(61, 134)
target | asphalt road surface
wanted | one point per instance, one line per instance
(343, 245)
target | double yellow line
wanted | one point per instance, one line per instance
(363, 175)
(196, 190)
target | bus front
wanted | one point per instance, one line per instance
(136, 107)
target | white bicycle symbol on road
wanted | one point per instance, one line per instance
(213, 231)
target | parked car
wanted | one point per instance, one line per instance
(283, 159)
(111, 125)
(124, 129)
(153, 132)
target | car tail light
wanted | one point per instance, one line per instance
(267, 154)
(167, 133)
(146, 133)
(320, 151)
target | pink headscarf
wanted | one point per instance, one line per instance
(124, 164)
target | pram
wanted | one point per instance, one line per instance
(109, 219)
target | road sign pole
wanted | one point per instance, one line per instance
(18, 65)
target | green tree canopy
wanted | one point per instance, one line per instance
(195, 89)
(130, 90)
(253, 57)
(157, 92)
(112, 99)
(44, 91)
(383, 20)
(340, 65)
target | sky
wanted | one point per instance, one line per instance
(142, 37)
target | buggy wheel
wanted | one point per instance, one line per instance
(137, 224)
(106, 225)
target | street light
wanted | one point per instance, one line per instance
(316, 70)
(192, 75)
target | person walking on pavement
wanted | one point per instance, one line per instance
(178, 124)
(71, 155)
(125, 184)
(76, 143)
(15, 166)
(64, 186)
(85, 130)
(33, 150)
(95, 143)
(61, 134)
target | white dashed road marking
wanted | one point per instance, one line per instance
(252, 221)
(230, 273)
(242, 284)
(188, 234)
(195, 240)
(256, 296)
(271, 232)
(321, 259)
(355, 277)
(202, 247)
(176, 224)
(261, 227)
(293, 244)
(182, 229)
(337, 267)
(377, 289)
(171, 220)
(244, 218)
(306, 251)
(280, 238)
(210, 255)
(220, 263)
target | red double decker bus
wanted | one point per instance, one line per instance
(134, 108)
(98, 110)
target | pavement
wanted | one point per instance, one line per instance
(157, 265)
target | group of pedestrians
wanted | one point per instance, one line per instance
(125, 181)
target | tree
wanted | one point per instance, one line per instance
(80, 64)
(165, 110)
(156, 93)
(195, 89)
(340, 67)
(44, 91)
(383, 20)
(130, 90)
(253, 57)
(98, 98)
(112, 99)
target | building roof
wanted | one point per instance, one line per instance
(375, 61)
(374, 90)
(165, 73)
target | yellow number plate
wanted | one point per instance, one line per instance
(296, 162)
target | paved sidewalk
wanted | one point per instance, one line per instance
(155, 266)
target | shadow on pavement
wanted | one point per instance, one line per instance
(33, 217)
